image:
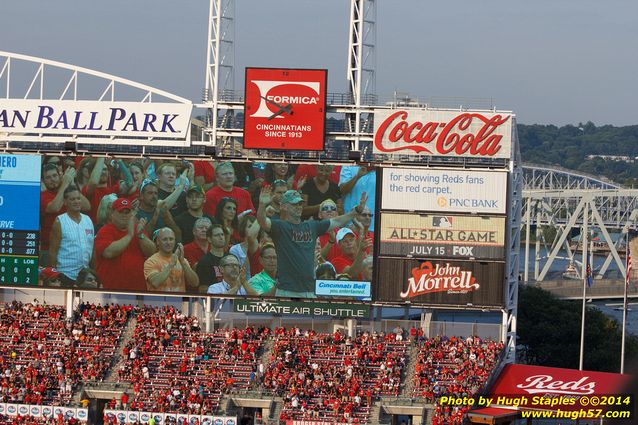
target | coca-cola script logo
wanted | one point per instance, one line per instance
(546, 384)
(427, 279)
(452, 138)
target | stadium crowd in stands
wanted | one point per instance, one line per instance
(455, 367)
(152, 225)
(44, 357)
(172, 366)
(176, 368)
(30, 420)
(333, 377)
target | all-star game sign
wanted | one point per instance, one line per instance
(285, 109)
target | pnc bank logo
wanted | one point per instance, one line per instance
(265, 98)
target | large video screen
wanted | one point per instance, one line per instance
(222, 228)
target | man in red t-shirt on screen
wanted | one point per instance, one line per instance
(121, 247)
(52, 203)
(225, 174)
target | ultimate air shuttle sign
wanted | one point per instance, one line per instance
(95, 118)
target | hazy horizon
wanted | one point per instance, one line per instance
(551, 62)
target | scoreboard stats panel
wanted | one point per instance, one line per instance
(19, 219)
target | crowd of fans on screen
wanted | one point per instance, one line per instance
(204, 226)
(172, 366)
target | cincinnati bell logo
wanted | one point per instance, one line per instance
(269, 95)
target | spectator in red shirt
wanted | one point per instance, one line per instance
(200, 244)
(225, 174)
(52, 203)
(353, 252)
(204, 174)
(99, 185)
(121, 247)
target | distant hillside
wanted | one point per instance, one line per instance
(569, 146)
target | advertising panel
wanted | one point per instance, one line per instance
(12, 409)
(163, 213)
(448, 133)
(440, 282)
(36, 411)
(95, 118)
(315, 308)
(444, 191)
(532, 387)
(285, 109)
(442, 236)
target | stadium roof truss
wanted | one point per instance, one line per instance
(27, 78)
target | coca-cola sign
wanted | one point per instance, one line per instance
(547, 384)
(436, 278)
(443, 133)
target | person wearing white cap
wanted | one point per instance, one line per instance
(353, 251)
(295, 241)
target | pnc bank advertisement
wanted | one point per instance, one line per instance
(444, 190)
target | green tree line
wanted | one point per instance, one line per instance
(549, 334)
(569, 146)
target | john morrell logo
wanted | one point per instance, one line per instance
(429, 279)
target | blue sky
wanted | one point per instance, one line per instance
(550, 61)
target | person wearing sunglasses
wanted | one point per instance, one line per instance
(318, 189)
(327, 242)
(361, 227)
(353, 181)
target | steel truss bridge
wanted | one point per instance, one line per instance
(560, 205)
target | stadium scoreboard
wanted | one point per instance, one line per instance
(19, 219)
